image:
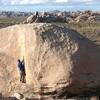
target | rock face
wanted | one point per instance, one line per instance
(59, 61)
(9, 51)
(30, 19)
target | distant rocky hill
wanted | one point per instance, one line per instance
(5, 14)
(54, 16)
(59, 62)
(63, 17)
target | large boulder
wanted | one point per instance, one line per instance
(45, 18)
(31, 19)
(81, 18)
(58, 61)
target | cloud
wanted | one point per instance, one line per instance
(78, 2)
(67, 2)
(73, 1)
(22, 2)
(61, 1)
(82, 0)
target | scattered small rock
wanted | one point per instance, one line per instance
(18, 96)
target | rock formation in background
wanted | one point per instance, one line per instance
(59, 62)
(63, 17)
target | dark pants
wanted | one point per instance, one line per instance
(22, 76)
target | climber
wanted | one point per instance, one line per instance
(21, 66)
(36, 14)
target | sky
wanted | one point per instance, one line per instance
(46, 5)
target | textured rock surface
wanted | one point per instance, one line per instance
(59, 61)
(9, 51)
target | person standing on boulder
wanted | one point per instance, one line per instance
(21, 66)
(37, 14)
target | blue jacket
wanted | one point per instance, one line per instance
(21, 66)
